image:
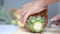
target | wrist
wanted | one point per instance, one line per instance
(44, 2)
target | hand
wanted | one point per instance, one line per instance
(56, 18)
(31, 8)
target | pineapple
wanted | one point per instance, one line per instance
(35, 23)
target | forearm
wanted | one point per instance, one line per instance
(47, 2)
(51, 1)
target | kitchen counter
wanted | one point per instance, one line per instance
(46, 31)
(7, 29)
(10, 29)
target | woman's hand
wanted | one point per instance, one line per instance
(56, 18)
(31, 8)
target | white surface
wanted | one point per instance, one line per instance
(47, 31)
(10, 29)
(7, 29)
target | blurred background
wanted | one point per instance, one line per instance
(7, 21)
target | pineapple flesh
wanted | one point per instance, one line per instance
(35, 23)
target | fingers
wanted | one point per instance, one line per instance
(27, 7)
(25, 18)
(41, 9)
(57, 17)
(25, 10)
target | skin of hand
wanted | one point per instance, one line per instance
(56, 18)
(31, 8)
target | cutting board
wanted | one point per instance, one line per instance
(46, 31)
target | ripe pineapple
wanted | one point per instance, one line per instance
(15, 14)
(37, 22)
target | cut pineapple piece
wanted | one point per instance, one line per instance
(35, 23)
(20, 23)
(37, 26)
(17, 16)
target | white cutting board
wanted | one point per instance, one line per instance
(46, 31)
